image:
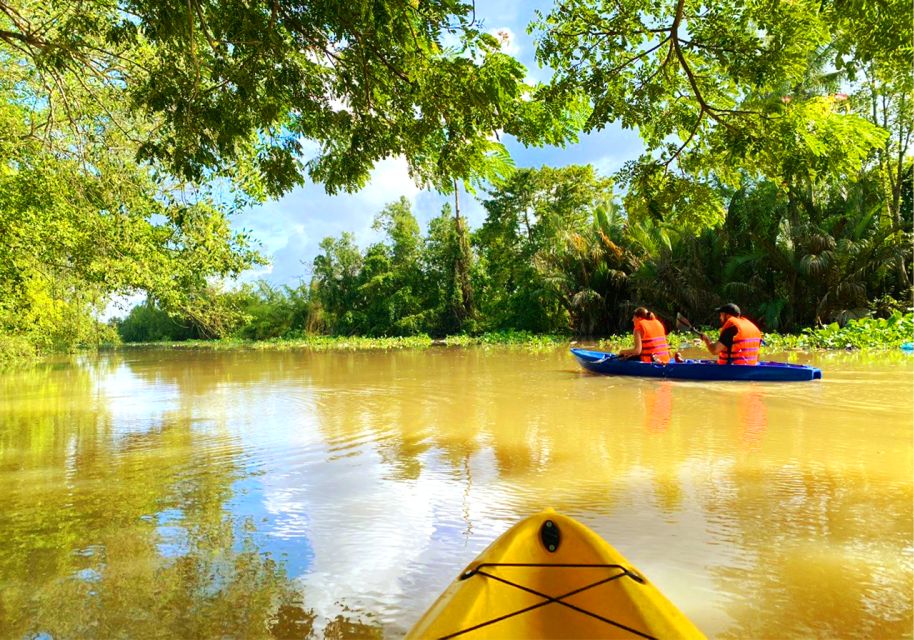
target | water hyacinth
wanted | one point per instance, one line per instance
(866, 333)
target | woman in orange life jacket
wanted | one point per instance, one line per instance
(650, 339)
(739, 339)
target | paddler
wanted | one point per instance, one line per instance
(739, 339)
(650, 338)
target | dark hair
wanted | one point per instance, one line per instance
(642, 312)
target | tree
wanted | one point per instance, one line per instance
(874, 49)
(407, 295)
(529, 214)
(589, 271)
(147, 323)
(337, 277)
(81, 219)
(234, 87)
(448, 267)
(465, 306)
(130, 130)
(811, 273)
(726, 79)
(79, 229)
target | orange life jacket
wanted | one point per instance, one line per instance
(653, 340)
(746, 343)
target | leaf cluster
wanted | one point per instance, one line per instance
(264, 92)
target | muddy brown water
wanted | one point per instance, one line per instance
(241, 494)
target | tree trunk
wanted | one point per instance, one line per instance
(904, 140)
(465, 310)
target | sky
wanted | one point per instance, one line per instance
(289, 230)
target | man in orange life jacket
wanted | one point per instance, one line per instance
(739, 339)
(650, 339)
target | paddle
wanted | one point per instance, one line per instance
(683, 322)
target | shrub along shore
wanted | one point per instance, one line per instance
(868, 334)
(864, 334)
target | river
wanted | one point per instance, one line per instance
(164, 493)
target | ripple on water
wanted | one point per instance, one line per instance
(375, 478)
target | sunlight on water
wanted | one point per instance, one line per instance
(169, 493)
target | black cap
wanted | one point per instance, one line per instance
(730, 308)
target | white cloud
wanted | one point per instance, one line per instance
(609, 164)
(389, 180)
(289, 230)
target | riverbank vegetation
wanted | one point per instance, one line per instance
(776, 170)
(865, 334)
(557, 255)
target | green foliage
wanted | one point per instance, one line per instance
(148, 323)
(233, 88)
(589, 271)
(392, 279)
(129, 132)
(315, 342)
(82, 221)
(525, 339)
(557, 255)
(865, 333)
(276, 312)
(407, 286)
(320, 342)
(737, 85)
(375, 293)
(446, 264)
(337, 272)
(16, 349)
(252, 312)
(531, 221)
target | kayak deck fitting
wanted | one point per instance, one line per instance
(549, 576)
(611, 364)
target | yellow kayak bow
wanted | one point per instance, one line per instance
(549, 576)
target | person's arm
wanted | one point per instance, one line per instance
(724, 342)
(635, 350)
(714, 348)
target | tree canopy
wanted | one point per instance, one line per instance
(777, 139)
(723, 91)
(82, 220)
(232, 87)
(130, 130)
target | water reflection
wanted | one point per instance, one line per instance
(815, 533)
(116, 525)
(296, 494)
(658, 407)
(752, 416)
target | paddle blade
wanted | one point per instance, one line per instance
(682, 323)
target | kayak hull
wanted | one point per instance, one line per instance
(608, 364)
(584, 588)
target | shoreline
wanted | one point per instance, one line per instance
(869, 335)
(525, 342)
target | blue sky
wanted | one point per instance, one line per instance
(290, 229)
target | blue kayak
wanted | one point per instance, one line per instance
(610, 364)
